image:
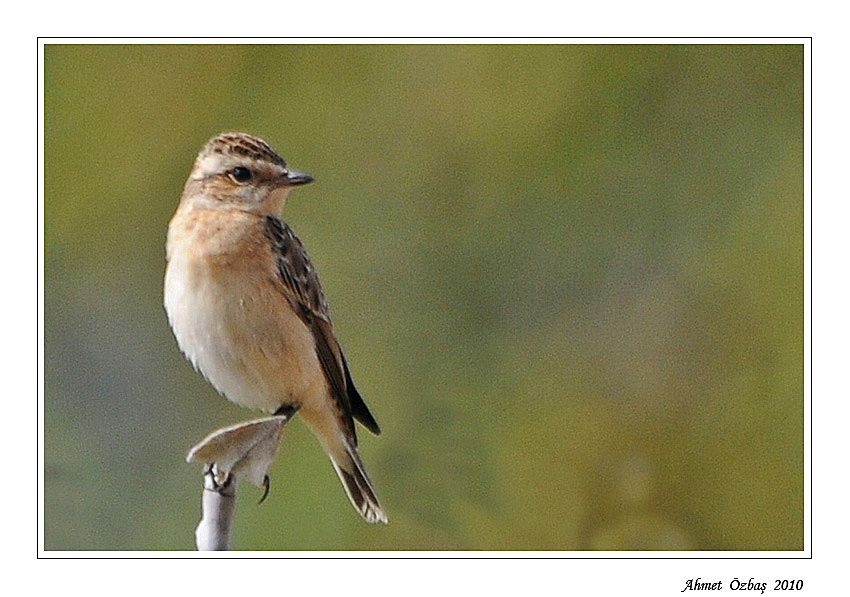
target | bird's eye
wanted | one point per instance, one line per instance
(240, 174)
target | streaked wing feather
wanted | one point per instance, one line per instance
(359, 410)
(303, 291)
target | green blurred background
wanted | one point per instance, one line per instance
(568, 280)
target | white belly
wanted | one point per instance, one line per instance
(242, 336)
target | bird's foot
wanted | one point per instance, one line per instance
(266, 487)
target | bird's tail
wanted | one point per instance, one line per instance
(358, 486)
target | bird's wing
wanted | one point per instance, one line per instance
(302, 289)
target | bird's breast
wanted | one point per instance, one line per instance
(230, 319)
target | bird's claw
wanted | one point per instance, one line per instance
(266, 486)
(212, 473)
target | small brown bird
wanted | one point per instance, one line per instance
(247, 309)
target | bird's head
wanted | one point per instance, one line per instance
(240, 171)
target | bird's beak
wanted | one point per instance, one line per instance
(294, 177)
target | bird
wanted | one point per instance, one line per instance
(246, 307)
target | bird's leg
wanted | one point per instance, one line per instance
(286, 410)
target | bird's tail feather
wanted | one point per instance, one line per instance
(359, 488)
